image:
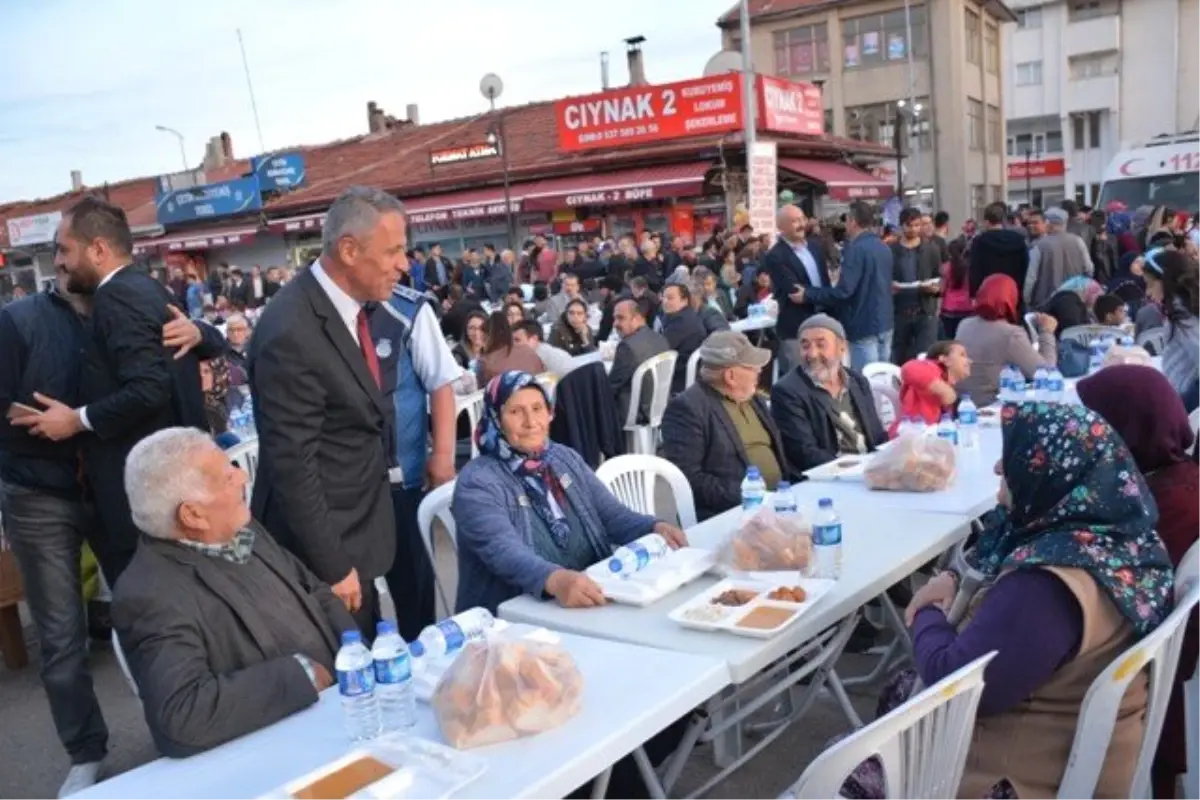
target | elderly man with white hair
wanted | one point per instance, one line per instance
(225, 632)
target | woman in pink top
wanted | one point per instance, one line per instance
(956, 295)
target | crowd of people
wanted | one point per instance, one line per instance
(119, 383)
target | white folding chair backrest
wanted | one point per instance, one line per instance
(693, 364)
(245, 455)
(922, 745)
(473, 404)
(1086, 334)
(1153, 340)
(661, 369)
(1194, 421)
(1158, 652)
(436, 505)
(120, 654)
(548, 381)
(882, 372)
(632, 480)
(887, 403)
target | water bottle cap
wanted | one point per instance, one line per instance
(966, 398)
(753, 472)
(351, 637)
(416, 649)
(825, 502)
(782, 486)
(384, 627)
(946, 416)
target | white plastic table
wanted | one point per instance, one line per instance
(752, 324)
(630, 694)
(592, 358)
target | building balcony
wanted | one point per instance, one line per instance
(1092, 94)
(1097, 35)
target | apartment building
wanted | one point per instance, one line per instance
(1089, 78)
(932, 65)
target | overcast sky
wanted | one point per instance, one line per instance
(83, 83)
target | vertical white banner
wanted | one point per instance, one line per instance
(762, 177)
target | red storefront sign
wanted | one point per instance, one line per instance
(790, 107)
(566, 228)
(643, 114)
(1044, 168)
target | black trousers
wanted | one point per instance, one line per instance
(913, 335)
(410, 580)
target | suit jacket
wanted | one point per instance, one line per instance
(241, 295)
(631, 352)
(699, 437)
(804, 414)
(208, 668)
(788, 272)
(322, 485)
(684, 332)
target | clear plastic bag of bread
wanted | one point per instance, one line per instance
(504, 687)
(1128, 354)
(767, 542)
(913, 463)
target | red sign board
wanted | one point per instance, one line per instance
(576, 226)
(1045, 168)
(641, 114)
(790, 107)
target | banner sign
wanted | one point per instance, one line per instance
(470, 152)
(763, 179)
(207, 202)
(278, 172)
(789, 107)
(36, 229)
(1040, 168)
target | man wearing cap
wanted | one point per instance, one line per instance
(823, 409)
(1055, 258)
(719, 427)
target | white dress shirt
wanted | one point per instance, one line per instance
(345, 305)
(810, 264)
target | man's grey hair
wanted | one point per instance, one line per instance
(161, 473)
(355, 213)
(712, 376)
(237, 317)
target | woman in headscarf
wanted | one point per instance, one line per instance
(1128, 283)
(1173, 281)
(531, 514)
(214, 382)
(996, 337)
(1140, 405)
(1087, 289)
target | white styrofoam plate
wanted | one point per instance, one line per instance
(657, 580)
(727, 622)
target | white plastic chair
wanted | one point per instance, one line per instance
(643, 438)
(882, 372)
(1153, 340)
(1194, 421)
(436, 505)
(472, 404)
(548, 381)
(1031, 328)
(887, 403)
(922, 745)
(1159, 653)
(1086, 334)
(693, 366)
(245, 455)
(120, 654)
(1186, 576)
(632, 479)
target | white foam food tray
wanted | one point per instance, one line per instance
(725, 619)
(657, 580)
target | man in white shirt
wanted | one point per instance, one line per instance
(557, 360)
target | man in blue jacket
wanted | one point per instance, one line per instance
(862, 298)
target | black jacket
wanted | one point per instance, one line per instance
(684, 333)
(585, 415)
(700, 439)
(929, 266)
(998, 251)
(632, 351)
(805, 416)
(788, 272)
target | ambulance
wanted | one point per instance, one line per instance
(1164, 171)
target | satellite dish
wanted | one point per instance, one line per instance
(722, 62)
(490, 86)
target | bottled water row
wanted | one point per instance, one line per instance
(826, 528)
(1048, 385)
(241, 420)
(963, 433)
(376, 685)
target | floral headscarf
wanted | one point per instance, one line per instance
(1078, 500)
(1083, 285)
(216, 398)
(544, 488)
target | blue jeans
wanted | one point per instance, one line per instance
(869, 349)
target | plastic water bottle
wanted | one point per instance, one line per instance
(393, 678)
(1018, 385)
(1126, 341)
(248, 426)
(637, 555)
(904, 426)
(968, 423)
(947, 430)
(784, 501)
(451, 635)
(919, 426)
(754, 491)
(1040, 388)
(1005, 386)
(1057, 385)
(827, 542)
(1095, 355)
(356, 684)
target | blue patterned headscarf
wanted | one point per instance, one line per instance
(544, 489)
(1079, 501)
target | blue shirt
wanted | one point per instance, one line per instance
(810, 264)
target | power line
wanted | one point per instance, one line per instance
(250, 85)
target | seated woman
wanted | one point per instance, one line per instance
(714, 296)
(1139, 404)
(1172, 281)
(996, 337)
(502, 354)
(514, 312)
(1072, 574)
(571, 332)
(471, 345)
(756, 291)
(927, 385)
(531, 515)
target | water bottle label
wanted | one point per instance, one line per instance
(455, 638)
(827, 535)
(393, 670)
(967, 416)
(356, 682)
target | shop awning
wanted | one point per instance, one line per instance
(202, 239)
(305, 222)
(844, 181)
(616, 188)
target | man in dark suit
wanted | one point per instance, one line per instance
(130, 386)
(793, 262)
(638, 343)
(682, 328)
(240, 292)
(224, 631)
(322, 487)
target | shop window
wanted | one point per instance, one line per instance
(803, 50)
(878, 39)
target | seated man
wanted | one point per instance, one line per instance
(717, 428)
(555, 359)
(638, 343)
(822, 408)
(682, 328)
(225, 632)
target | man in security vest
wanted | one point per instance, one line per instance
(417, 371)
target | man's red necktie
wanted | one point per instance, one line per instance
(368, 347)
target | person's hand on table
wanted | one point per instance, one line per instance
(180, 333)
(57, 422)
(938, 592)
(349, 591)
(675, 537)
(574, 589)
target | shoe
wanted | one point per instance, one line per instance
(79, 778)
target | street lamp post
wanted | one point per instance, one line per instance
(179, 136)
(490, 87)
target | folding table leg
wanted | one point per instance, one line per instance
(600, 784)
(673, 767)
(648, 773)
